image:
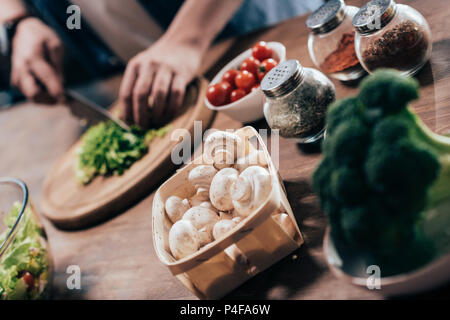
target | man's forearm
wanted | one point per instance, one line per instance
(11, 9)
(198, 22)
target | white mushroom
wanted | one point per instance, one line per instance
(230, 215)
(219, 191)
(203, 219)
(222, 227)
(237, 219)
(255, 158)
(205, 236)
(183, 239)
(197, 200)
(208, 205)
(176, 207)
(222, 148)
(200, 177)
(250, 190)
(286, 224)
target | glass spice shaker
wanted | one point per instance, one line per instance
(391, 35)
(296, 101)
(331, 43)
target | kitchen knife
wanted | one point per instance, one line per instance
(89, 111)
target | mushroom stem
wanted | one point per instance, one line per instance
(222, 149)
(200, 177)
(241, 190)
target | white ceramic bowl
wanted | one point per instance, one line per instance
(250, 107)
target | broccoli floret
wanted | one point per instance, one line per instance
(342, 110)
(321, 183)
(382, 170)
(348, 144)
(387, 92)
(365, 227)
(348, 186)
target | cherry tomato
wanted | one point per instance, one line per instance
(237, 94)
(251, 65)
(229, 77)
(245, 80)
(29, 280)
(265, 67)
(228, 88)
(217, 94)
(261, 51)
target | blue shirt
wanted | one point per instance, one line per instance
(251, 16)
(98, 59)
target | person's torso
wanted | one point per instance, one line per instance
(116, 30)
(126, 28)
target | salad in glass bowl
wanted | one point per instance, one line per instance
(25, 268)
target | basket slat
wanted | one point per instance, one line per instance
(217, 276)
(266, 244)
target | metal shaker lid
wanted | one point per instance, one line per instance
(282, 79)
(327, 17)
(374, 15)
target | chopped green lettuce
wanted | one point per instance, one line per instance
(108, 149)
(26, 253)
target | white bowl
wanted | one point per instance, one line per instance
(250, 107)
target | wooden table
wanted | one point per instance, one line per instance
(117, 258)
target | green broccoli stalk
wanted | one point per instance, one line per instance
(382, 170)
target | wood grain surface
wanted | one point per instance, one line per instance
(117, 259)
(71, 205)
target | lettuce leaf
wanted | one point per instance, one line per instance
(108, 149)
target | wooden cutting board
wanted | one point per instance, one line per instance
(70, 205)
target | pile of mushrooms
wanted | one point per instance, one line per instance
(229, 187)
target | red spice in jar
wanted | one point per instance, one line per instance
(344, 57)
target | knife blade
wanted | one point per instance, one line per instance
(89, 111)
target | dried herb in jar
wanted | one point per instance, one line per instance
(399, 48)
(344, 57)
(297, 99)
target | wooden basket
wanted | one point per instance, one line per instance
(253, 245)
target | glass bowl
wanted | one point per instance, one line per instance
(26, 263)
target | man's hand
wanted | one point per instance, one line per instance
(37, 61)
(156, 79)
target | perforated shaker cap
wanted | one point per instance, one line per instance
(374, 15)
(327, 17)
(282, 79)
